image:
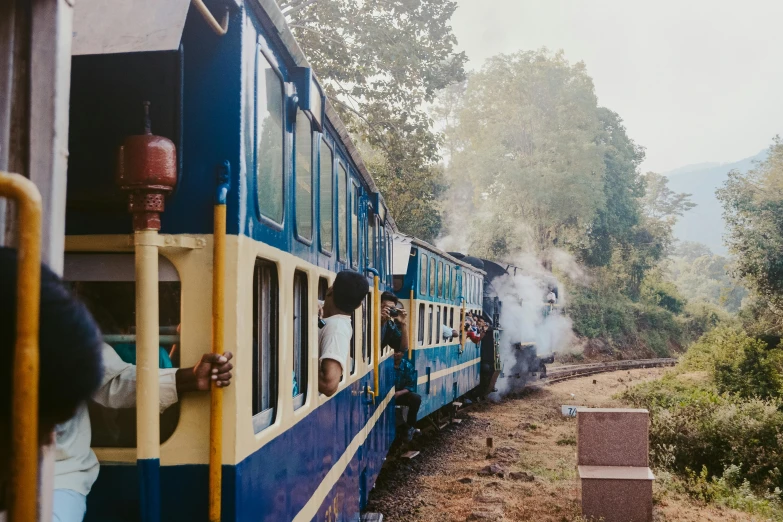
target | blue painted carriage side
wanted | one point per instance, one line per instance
(440, 392)
(210, 113)
(275, 482)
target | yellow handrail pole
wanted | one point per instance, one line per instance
(376, 297)
(218, 330)
(24, 406)
(410, 328)
(147, 378)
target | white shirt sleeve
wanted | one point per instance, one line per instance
(334, 340)
(118, 387)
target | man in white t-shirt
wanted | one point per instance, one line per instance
(334, 338)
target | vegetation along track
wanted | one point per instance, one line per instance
(563, 373)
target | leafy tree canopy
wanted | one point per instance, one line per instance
(753, 210)
(380, 62)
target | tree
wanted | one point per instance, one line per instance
(527, 139)
(614, 224)
(662, 203)
(753, 210)
(380, 62)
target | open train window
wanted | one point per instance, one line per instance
(421, 325)
(269, 141)
(355, 191)
(454, 286)
(429, 324)
(433, 275)
(342, 212)
(326, 179)
(438, 328)
(301, 338)
(367, 329)
(266, 301)
(440, 279)
(447, 283)
(105, 282)
(399, 281)
(423, 277)
(303, 177)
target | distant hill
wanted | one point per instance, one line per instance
(704, 223)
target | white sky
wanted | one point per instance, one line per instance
(694, 80)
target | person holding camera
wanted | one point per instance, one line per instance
(394, 323)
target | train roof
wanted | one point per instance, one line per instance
(168, 21)
(403, 239)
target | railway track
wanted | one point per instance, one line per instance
(563, 373)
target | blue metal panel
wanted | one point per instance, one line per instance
(439, 392)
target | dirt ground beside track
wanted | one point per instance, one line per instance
(530, 436)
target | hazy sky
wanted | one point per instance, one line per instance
(694, 80)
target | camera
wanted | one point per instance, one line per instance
(393, 312)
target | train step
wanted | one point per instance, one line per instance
(410, 454)
(372, 517)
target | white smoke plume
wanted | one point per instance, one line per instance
(523, 293)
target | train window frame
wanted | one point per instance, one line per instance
(355, 194)
(329, 199)
(454, 289)
(421, 324)
(270, 221)
(343, 250)
(265, 417)
(308, 240)
(301, 342)
(424, 268)
(433, 275)
(441, 273)
(438, 326)
(430, 317)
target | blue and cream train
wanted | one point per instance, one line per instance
(236, 96)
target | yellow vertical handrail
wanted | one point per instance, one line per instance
(23, 497)
(410, 328)
(218, 331)
(376, 297)
(147, 376)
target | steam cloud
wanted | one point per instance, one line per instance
(523, 295)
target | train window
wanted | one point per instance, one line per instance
(429, 323)
(105, 283)
(438, 327)
(451, 319)
(342, 212)
(373, 231)
(354, 224)
(421, 325)
(441, 275)
(323, 286)
(325, 192)
(398, 282)
(265, 343)
(382, 251)
(269, 141)
(433, 276)
(301, 338)
(423, 277)
(354, 340)
(304, 176)
(367, 333)
(454, 286)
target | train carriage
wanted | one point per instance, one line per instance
(440, 290)
(237, 98)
